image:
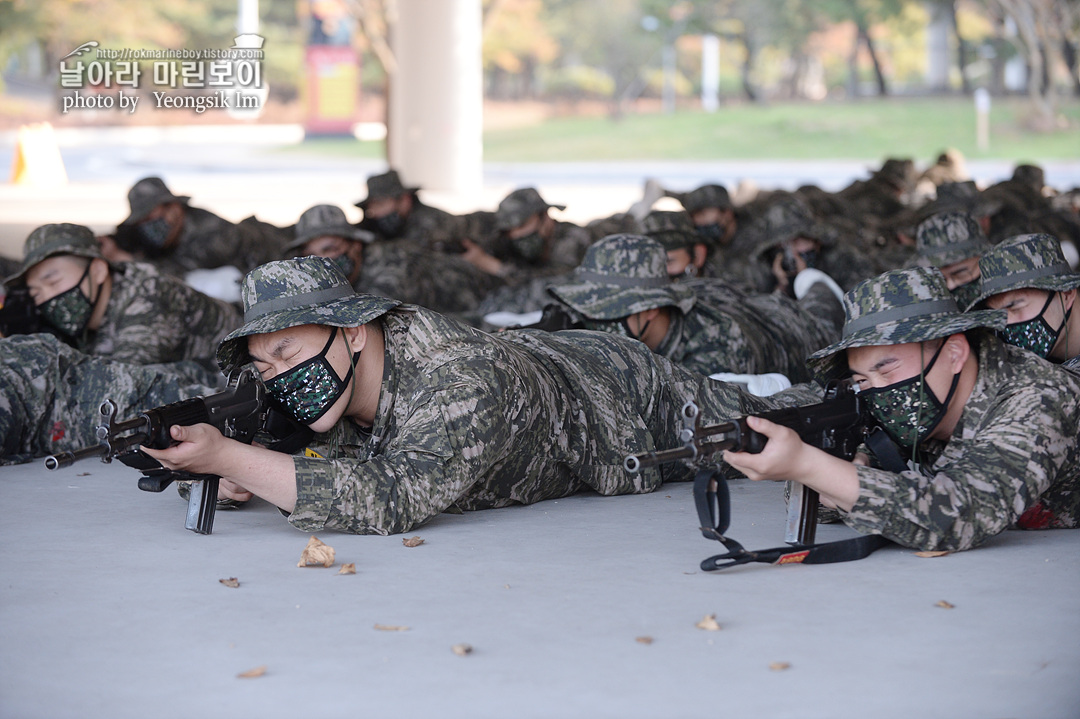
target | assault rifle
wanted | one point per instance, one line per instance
(241, 411)
(838, 425)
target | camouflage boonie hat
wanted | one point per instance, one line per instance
(145, 195)
(58, 239)
(896, 171)
(703, 197)
(790, 219)
(947, 238)
(897, 307)
(323, 220)
(673, 230)
(387, 184)
(622, 275)
(290, 293)
(1025, 261)
(519, 206)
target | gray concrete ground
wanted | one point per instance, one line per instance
(110, 608)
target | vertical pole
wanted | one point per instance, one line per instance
(982, 118)
(710, 73)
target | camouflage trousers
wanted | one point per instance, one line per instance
(50, 394)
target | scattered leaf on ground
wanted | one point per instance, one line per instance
(945, 605)
(412, 542)
(391, 628)
(643, 640)
(316, 553)
(931, 554)
(252, 673)
(709, 623)
(348, 568)
(506, 586)
(461, 649)
(779, 666)
(230, 582)
(83, 474)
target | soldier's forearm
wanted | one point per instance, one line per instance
(264, 473)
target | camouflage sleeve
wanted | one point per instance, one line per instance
(50, 394)
(147, 326)
(981, 486)
(421, 472)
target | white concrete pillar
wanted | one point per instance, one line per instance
(710, 73)
(436, 94)
(937, 47)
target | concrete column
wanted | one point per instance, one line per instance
(436, 94)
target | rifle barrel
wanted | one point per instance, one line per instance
(66, 459)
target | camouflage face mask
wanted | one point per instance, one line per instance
(530, 247)
(390, 225)
(311, 388)
(966, 294)
(1036, 334)
(69, 312)
(155, 233)
(615, 327)
(908, 410)
(345, 264)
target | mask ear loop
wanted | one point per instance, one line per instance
(918, 413)
(1065, 319)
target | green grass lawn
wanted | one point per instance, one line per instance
(866, 129)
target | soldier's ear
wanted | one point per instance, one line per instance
(357, 337)
(701, 253)
(957, 350)
(99, 269)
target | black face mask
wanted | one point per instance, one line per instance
(155, 233)
(712, 233)
(391, 225)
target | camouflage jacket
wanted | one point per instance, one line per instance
(564, 252)
(1013, 460)
(477, 421)
(208, 241)
(730, 331)
(409, 271)
(426, 225)
(153, 318)
(50, 394)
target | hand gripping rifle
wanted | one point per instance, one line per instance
(240, 412)
(837, 425)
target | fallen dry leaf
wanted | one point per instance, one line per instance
(252, 673)
(348, 568)
(391, 628)
(945, 605)
(643, 640)
(83, 474)
(230, 582)
(779, 666)
(461, 649)
(412, 542)
(931, 554)
(709, 623)
(316, 553)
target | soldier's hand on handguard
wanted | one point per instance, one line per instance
(199, 450)
(782, 457)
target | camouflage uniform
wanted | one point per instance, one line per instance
(403, 269)
(472, 420)
(1027, 262)
(626, 274)
(1013, 458)
(206, 241)
(427, 226)
(947, 238)
(150, 318)
(561, 252)
(50, 394)
(675, 231)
